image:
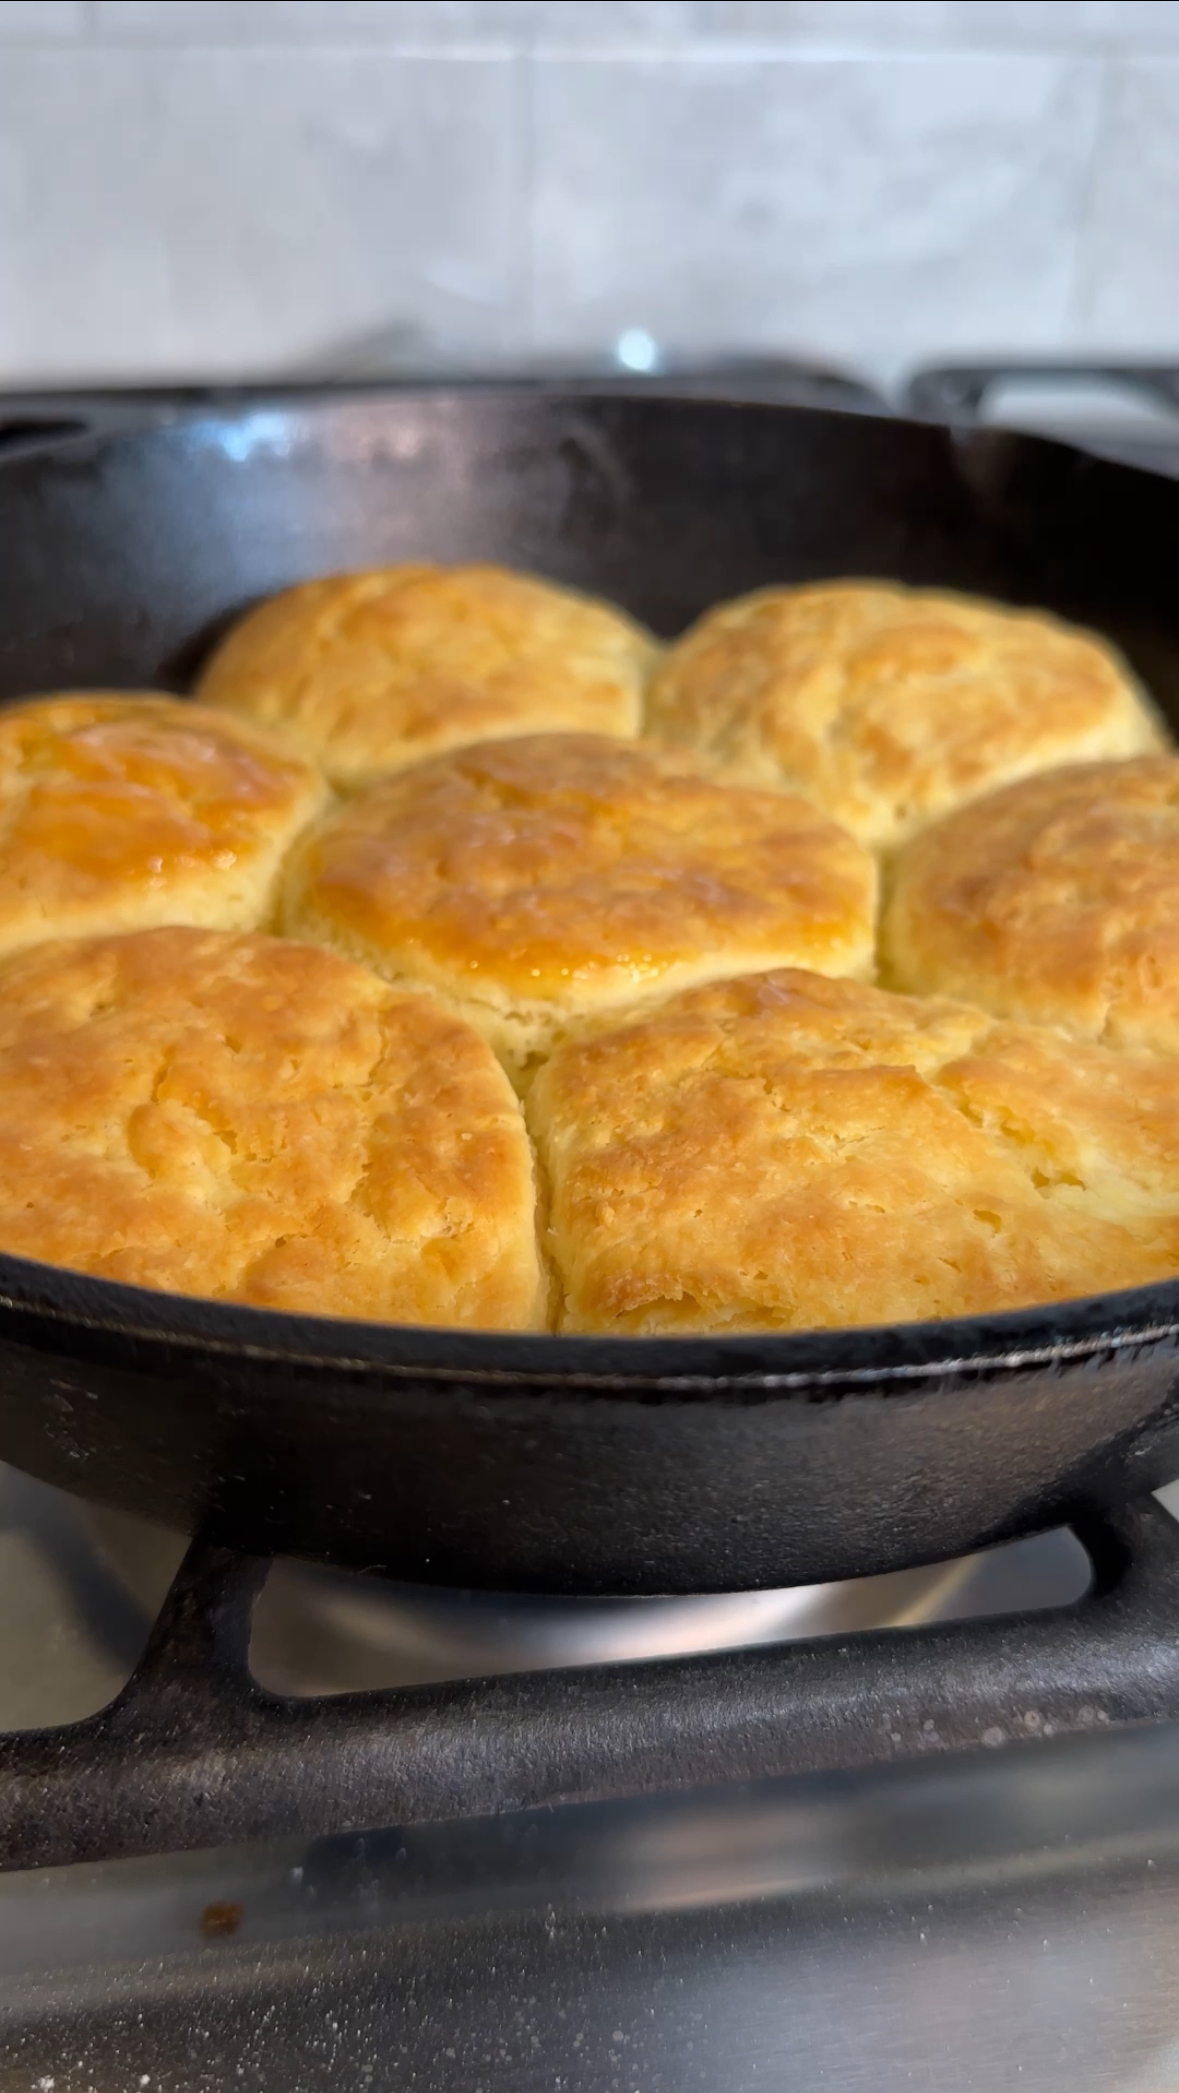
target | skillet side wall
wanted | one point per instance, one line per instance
(120, 559)
(564, 1489)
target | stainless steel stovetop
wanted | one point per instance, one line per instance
(973, 1924)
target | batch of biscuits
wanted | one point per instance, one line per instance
(461, 955)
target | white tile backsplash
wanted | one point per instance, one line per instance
(1128, 287)
(416, 22)
(867, 208)
(1017, 25)
(41, 21)
(241, 185)
(238, 211)
(798, 24)
(339, 22)
(623, 23)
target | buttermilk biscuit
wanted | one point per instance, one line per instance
(1056, 900)
(120, 811)
(786, 1152)
(888, 706)
(255, 1120)
(376, 671)
(533, 882)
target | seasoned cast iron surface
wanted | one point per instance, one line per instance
(579, 1465)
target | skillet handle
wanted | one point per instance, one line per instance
(958, 392)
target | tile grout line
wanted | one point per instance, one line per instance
(1081, 272)
(524, 233)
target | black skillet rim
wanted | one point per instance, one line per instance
(51, 1301)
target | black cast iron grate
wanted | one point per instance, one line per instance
(195, 1753)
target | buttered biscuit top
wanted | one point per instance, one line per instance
(786, 1152)
(122, 811)
(255, 1120)
(888, 706)
(535, 881)
(1056, 900)
(378, 670)
(557, 1013)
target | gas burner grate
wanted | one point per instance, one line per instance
(1125, 411)
(960, 391)
(194, 1753)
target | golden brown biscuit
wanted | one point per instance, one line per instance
(787, 1152)
(379, 670)
(888, 706)
(256, 1120)
(118, 811)
(532, 882)
(1056, 901)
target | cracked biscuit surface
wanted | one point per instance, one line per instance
(378, 670)
(119, 811)
(789, 1152)
(535, 882)
(1054, 901)
(250, 1119)
(889, 705)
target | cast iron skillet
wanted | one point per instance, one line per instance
(572, 1464)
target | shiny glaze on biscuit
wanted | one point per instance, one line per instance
(120, 810)
(556, 875)
(255, 1120)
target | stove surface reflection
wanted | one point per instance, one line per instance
(79, 1588)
